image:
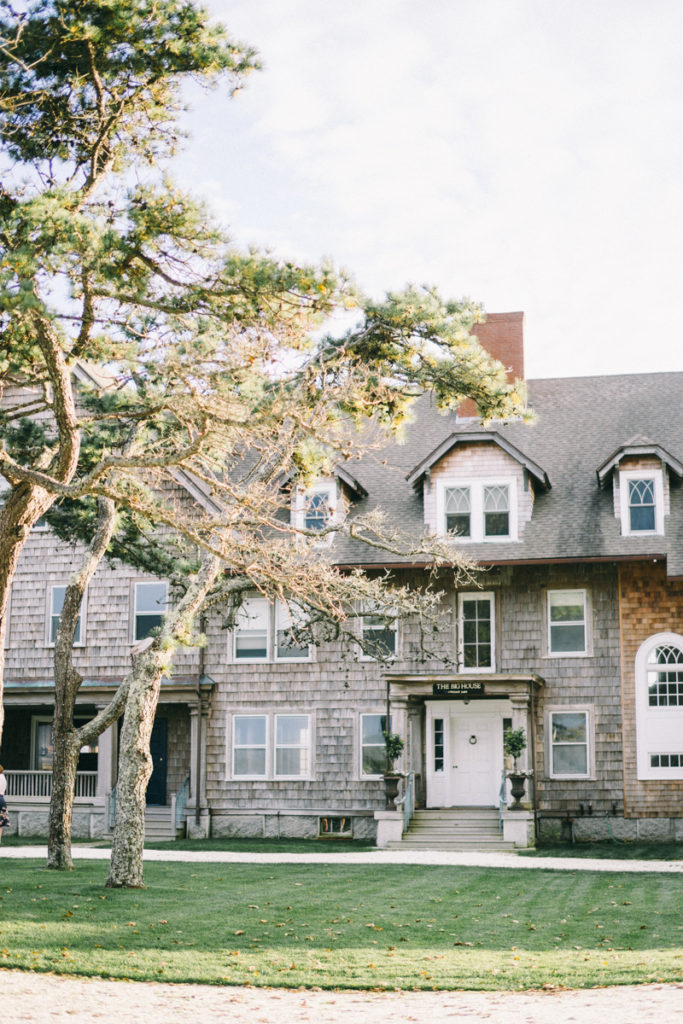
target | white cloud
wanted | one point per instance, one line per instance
(528, 154)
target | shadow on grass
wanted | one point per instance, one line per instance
(355, 926)
(609, 850)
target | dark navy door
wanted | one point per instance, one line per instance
(158, 748)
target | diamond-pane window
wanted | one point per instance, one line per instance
(458, 508)
(496, 511)
(641, 505)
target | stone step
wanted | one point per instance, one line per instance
(485, 846)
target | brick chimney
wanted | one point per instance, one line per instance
(503, 337)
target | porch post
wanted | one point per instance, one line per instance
(198, 822)
(520, 720)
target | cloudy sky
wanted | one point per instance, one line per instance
(525, 153)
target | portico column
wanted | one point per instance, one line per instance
(198, 724)
(399, 725)
(520, 720)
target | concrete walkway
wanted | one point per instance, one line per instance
(428, 857)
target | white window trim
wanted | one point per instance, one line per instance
(478, 595)
(328, 486)
(270, 746)
(269, 633)
(366, 776)
(292, 660)
(476, 486)
(308, 747)
(233, 746)
(271, 656)
(587, 624)
(363, 656)
(649, 719)
(49, 642)
(37, 720)
(134, 604)
(571, 709)
(625, 476)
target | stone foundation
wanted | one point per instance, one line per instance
(243, 825)
(603, 829)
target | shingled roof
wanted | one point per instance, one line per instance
(582, 425)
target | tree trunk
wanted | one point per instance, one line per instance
(135, 761)
(135, 768)
(66, 751)
(68, 741)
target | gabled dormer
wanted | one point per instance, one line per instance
(479, 487)
(640, 472)
(325, 502)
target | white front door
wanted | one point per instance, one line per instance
(465, 752)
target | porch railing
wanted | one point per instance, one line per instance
(502, 799)
(407, 799)
(37, 785)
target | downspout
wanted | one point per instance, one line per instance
(198, 752)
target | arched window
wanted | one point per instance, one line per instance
(659, 707)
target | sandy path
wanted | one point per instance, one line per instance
(48, 999)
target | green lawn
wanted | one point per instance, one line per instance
(609, 851)
(352, 926)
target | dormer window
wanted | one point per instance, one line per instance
(642, 501)
(316, 508)
(497, 511)
(458, 510)
(477, 510)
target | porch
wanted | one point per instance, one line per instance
(176, 790)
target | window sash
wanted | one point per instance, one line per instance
(569, 748)
(249, 746)
(497, 511)
(292, 746)
(458, 510)
(642, 505)
(476, 621)
(477, 511)
(373, 757)
(57, 595)
(150, 608)
(567, 632)
(286, 648)
(251, 634)
(380, 635)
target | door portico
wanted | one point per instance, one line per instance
(454, 728)
(464, 752)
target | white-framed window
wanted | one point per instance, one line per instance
(379, 634)
(249, 746)
(251, 634)
(373, 757)
(569, 742)
(292, 746)
(477, 631)
(56, 594)
(271, 746)
(288, 646)
(477, 510)
(150, 598)
(641, 493)
(267, 631)
(42, 746)
(659, 707)
(567, 623)
(317, 507)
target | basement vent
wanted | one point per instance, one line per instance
(334, 828)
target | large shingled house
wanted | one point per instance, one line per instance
(573, 632)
